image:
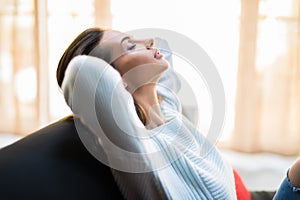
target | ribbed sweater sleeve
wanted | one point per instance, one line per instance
(97, 97)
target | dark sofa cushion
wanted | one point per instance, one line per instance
(52, 163)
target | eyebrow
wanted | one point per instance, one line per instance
(125, 38)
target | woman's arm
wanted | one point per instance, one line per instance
(95, 93)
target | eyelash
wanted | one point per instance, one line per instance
(132, 46)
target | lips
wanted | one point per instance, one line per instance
(157, 54)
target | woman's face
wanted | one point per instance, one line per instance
(137, 56)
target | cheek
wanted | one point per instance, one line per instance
(128, 62)
(142, 57)
(123, 64)
(134, 59)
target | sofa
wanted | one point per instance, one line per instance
(52, 163)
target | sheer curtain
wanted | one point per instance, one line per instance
(18, 76)
(34, 34)
(268, 94)
(254, 44)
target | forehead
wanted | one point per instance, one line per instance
(111, 36)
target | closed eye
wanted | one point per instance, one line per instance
(131, 46)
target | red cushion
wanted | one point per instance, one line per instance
(241, 191)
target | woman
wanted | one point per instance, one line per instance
(111, 50)
(187, 172)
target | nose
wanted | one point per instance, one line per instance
(149, 43)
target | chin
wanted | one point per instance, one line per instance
(164, 63)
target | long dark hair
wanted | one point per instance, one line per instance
(83, 44)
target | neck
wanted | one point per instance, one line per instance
(146, 97)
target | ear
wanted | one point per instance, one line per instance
(124, 83)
